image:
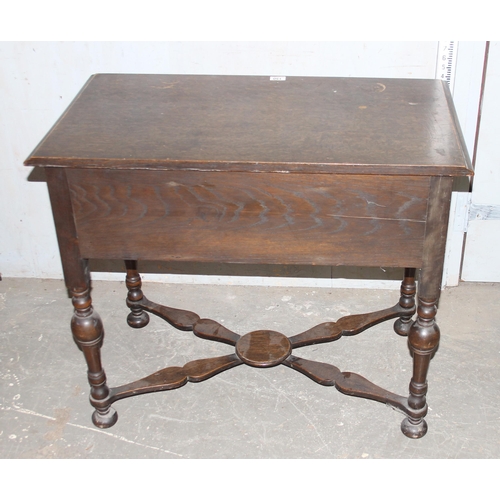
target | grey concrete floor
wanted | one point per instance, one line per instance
(244, 412)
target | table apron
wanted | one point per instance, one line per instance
(249, 217)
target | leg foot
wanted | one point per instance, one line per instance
(105, 419)
(414, 429)
(137, 320)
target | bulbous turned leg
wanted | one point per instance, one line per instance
(88, 333)
(408, 290)
(423, 341)
(137, 317)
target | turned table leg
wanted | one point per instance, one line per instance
(423, 341)
(86, 325)
(137, 317)
(408, 290)
(88, 333)
(423, 335)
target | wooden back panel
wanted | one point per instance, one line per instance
(249, 217)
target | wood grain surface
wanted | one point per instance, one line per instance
(250, 217)
(251, 123)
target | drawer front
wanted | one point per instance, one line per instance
(248, 217)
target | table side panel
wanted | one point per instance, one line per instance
(75, 269)
(250, 217)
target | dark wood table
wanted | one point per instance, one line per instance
(256, 170)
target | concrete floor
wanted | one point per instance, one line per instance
(244, 412)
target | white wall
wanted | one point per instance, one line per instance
(482, 257)
(466, 95)
(38, 80)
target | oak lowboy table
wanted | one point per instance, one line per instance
(256, 170)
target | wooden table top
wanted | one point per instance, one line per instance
(255, 123)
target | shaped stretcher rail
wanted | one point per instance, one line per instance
(264, 348)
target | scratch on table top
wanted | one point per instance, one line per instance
(341, 216)
(166, 86)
